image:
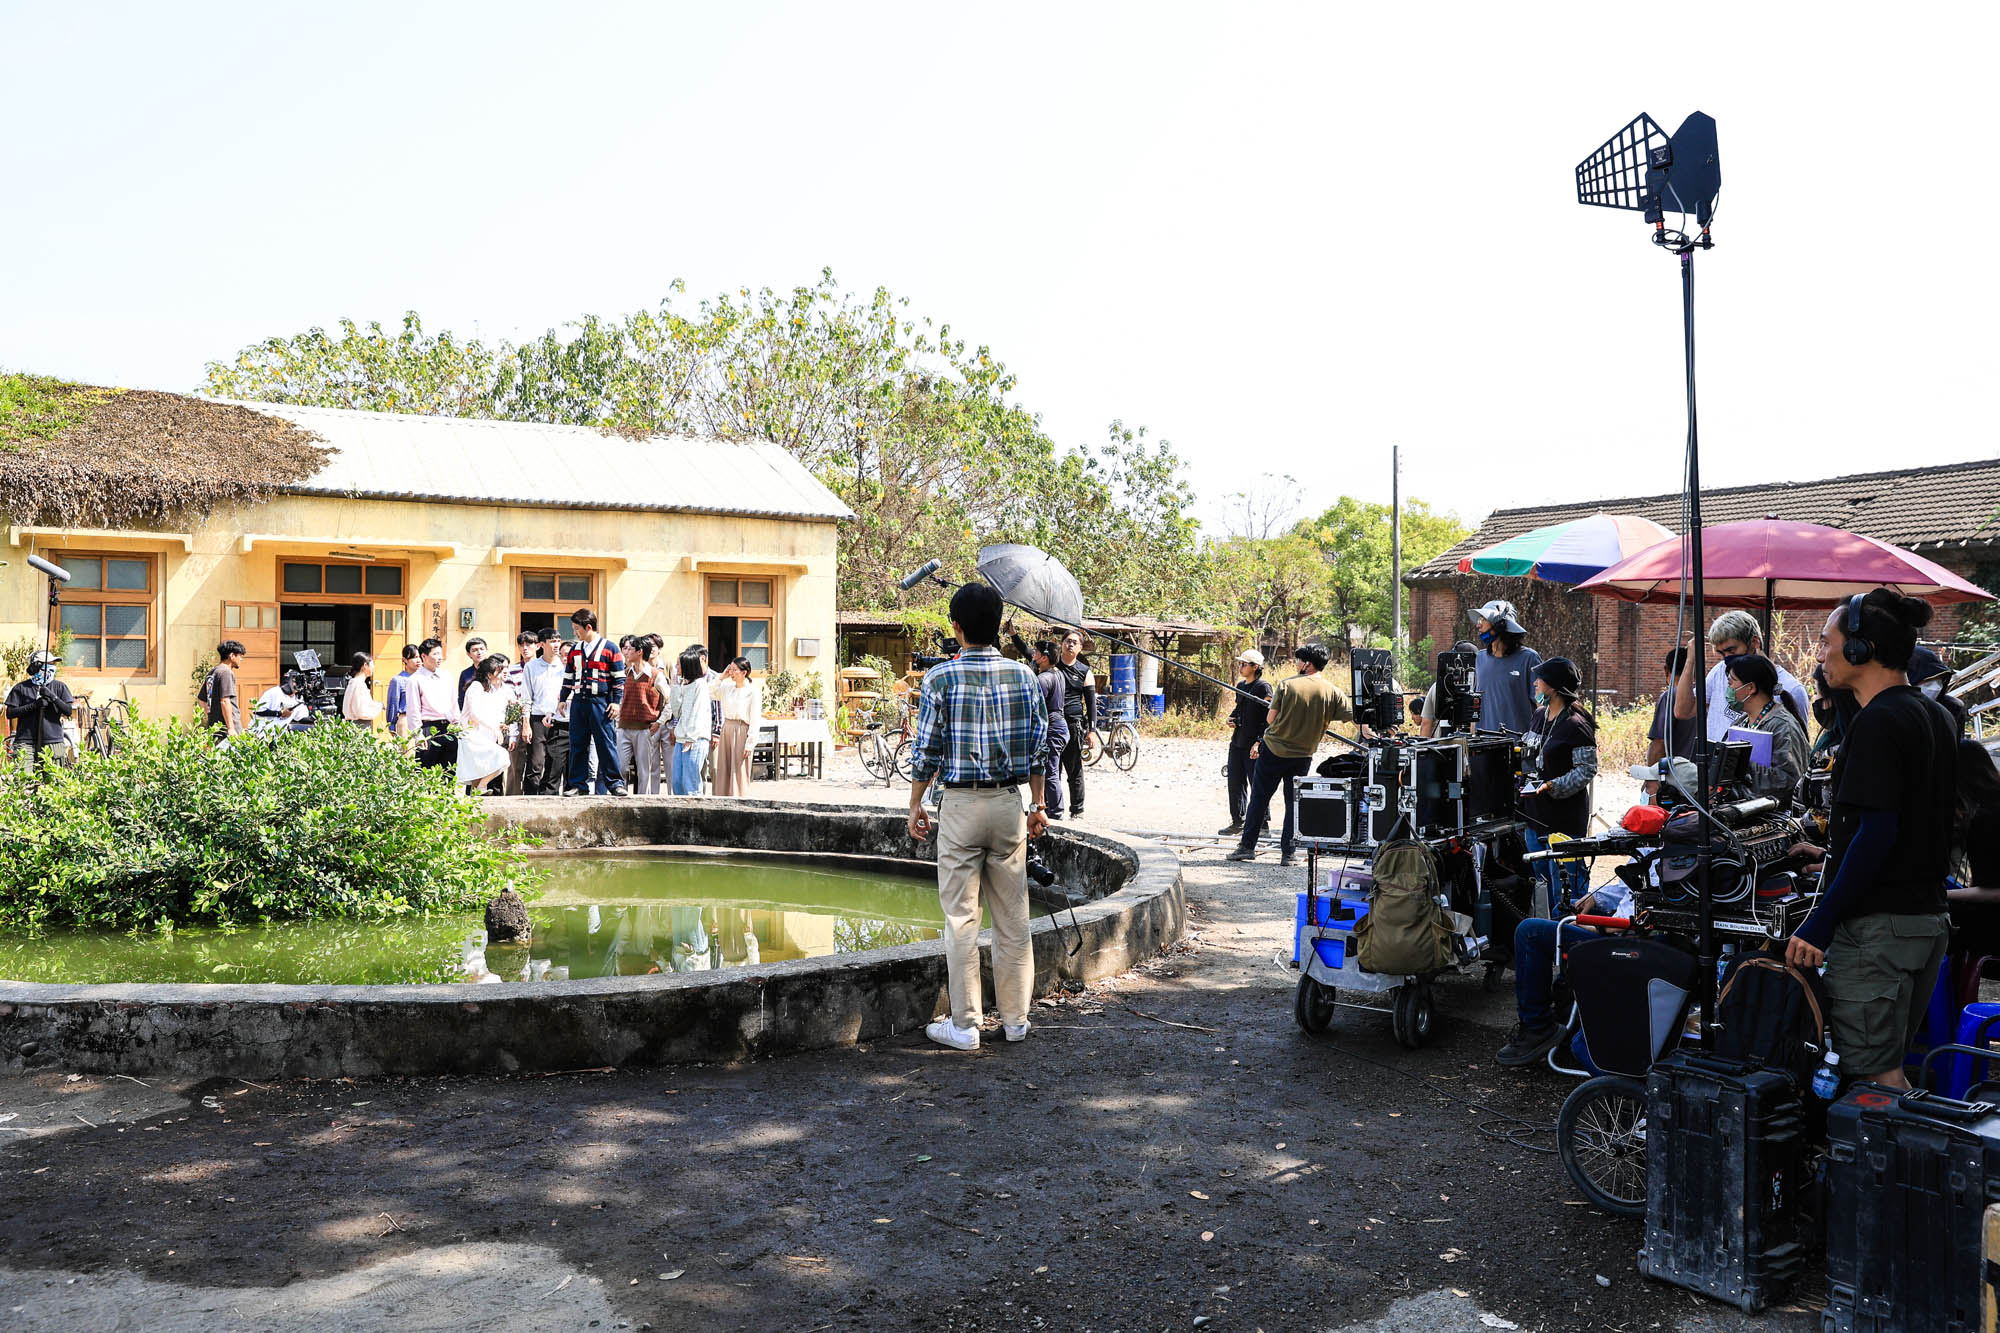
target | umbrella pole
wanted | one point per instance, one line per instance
(1705, 942)
(1770, 619)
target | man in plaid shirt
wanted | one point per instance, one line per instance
(981, 731)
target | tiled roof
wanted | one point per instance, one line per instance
(469, 460)
(1950, 505)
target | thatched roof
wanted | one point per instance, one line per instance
(135, 458)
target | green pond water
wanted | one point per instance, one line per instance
(599, 916)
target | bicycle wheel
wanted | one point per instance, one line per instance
(1124, 746)
(904, 764)
(875, 756)
(1093, 746)
(1601, 1135)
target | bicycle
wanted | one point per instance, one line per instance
(881, 758)
(1121, 739)
(105, 725)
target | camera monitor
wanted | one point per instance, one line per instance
(1376, 702)
(1458, 689)
(305, 659)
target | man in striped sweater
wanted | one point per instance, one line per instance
(593, 685)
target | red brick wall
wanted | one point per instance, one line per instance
(1632, 641)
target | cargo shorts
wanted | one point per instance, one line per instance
(1880, 972)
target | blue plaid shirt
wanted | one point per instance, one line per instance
(982, 720)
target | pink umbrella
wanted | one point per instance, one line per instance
(1772, 562)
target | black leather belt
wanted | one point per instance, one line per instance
(1006, 785)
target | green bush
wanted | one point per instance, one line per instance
(169, 830)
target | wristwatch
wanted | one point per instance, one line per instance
(1033, 809)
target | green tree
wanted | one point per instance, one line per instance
(1353, 537)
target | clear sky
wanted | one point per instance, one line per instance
(1283, 238)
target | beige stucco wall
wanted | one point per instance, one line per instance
(652, 567)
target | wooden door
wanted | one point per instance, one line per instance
(255, 626)
(388, 631)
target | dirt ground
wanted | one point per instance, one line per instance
(1167, 1151)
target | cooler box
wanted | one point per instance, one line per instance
(1327, 909)
(1909, 1178)
(1725, 1166)
(1119, 707)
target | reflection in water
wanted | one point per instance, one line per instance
(601, 916)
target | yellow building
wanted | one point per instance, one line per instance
(411, 527)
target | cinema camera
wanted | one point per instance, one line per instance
(314, 690)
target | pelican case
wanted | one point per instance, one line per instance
(1726, 1167)
(1910, 1176)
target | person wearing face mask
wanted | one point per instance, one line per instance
(1732, 634)
(1833, 712)
(1752, 681)
(1929, 673)
(1559, 757)
(1504, 669)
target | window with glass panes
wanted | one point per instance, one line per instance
(741, 619)
(546, 598)
(333, 579)
(107, 607)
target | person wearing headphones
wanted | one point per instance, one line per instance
(1881, 927)
(36, 706)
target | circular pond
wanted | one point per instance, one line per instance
(607, 914)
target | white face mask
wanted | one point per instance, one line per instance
(1932, 688)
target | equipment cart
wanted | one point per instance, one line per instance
(1324, 953)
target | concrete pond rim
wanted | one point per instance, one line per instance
(1135, 909)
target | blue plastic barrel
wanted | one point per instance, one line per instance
(1156, 704)
(1120, 707)
(1124, 673)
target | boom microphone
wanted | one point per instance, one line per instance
(907, 582)
(56, 572)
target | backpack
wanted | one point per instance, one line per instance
(1405, 931)
(1772, 1014)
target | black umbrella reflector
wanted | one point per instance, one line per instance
(1033, 580)
(1641, 169)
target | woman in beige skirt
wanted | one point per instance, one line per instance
(742, 709)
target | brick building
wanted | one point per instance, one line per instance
(1949, 514)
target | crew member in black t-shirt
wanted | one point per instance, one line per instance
(1881, 926)
(1079, 712)
(1246, 728)
(1559, 756)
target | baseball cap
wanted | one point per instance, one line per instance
(1252, 656)
(1677, 771)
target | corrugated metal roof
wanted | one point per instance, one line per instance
(1950, 504)
(469, 460)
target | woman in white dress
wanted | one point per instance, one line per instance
(482, 741)
(358, 704)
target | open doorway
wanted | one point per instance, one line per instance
(336, 632)
(338, 609)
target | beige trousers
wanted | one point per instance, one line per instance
(982, 854)
(732, 762)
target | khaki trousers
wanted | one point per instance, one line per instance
(982, 854)
(732, 762)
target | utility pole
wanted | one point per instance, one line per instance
(1396, 544)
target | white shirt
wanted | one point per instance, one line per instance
(740, 703)
(358, 704)
(275, 710)
(1722, 714)
(542, 680)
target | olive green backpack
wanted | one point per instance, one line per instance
(1405, 932)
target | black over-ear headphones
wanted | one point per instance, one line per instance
(1856, 649)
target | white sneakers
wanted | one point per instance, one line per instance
(945, 1032)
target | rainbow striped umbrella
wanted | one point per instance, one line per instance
(1568, 552)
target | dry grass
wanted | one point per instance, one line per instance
(128, 458)
(1184, 723)
(1621, 737)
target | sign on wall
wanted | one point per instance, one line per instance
(434, 620)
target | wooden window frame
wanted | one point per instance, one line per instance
(771, 611)
(558, 607)
(340, 598)
(101, 597)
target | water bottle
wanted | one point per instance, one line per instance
(1826, 1079)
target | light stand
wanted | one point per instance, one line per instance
(1641, 169)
